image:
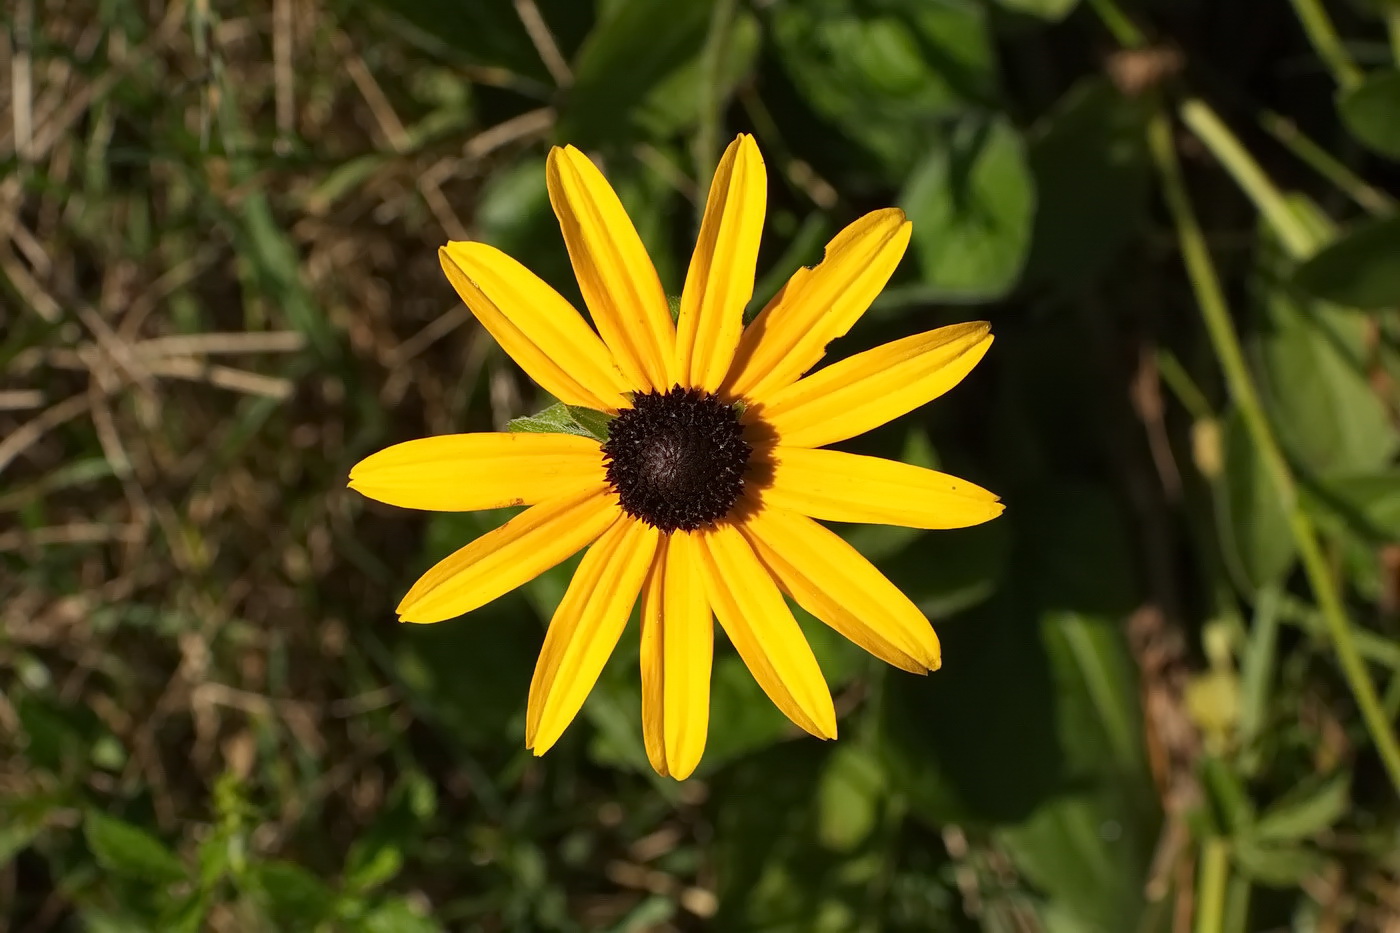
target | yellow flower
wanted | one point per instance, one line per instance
(702, 499)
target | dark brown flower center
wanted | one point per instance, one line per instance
(677, 458)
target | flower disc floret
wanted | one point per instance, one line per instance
(677, 458)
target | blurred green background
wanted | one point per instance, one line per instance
(1170, 669)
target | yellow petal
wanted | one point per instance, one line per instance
(465, 472)
(842, 487)
(757, 620)
(614, 272)
(720, 281)
(534, 324)
(832, 581)
(515, 553)
(585, 628)
(653, 661)
(817, 306)
(680, 651)
(866, 390)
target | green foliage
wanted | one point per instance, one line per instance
(1359, 269)
(971, 201)
(220, 286)
(564, 419)
(885, 74)
(128, 850)
(1368, 111)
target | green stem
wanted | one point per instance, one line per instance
(1211, 885)
(1124, 30)
(1367, 197)
(1377, 649)
(1392, 24)
(1211, 298)
(1183, 386)
(1256, 675)
(1258, 187)
(712, 67)
(1325, 41)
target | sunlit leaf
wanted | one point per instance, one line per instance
(632, 49)
(290, 892)
(1254, 535)
(1369, 111)
(886, 73)
(1305, 812)
(972, 201)
(129, 850)
(1360, 269)
(1324, 407)
(564, 419)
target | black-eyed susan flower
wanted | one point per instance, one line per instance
(703, 497)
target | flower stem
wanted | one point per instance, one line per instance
(1124, 30)
(1257, 186)
(1325, 41)
(1367, 197)
(1392, 23)
(707, 134)
(1211, 299)
(1211, 884)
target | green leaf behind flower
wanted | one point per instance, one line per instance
(564, 419)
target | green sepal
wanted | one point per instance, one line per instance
(564, 419)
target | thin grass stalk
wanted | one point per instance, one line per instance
(1211, 300)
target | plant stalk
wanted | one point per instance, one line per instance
(1325, 41)
(1211, 885)
(1257, 186)
(1211, 299)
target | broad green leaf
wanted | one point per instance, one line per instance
(1322, 402)
(1053, 10)
(1305, 812)
(1092, 180)
(129, 850)
(885, 73)
(1088, 846)
(563, 419)
(679, 102)
(1370, 111)
(972, 202)
(397, 916)
(630, 50)
(1361, 268)
(371, 865)
(1073, 851)
(849, 798)
(1369, 503)
(291, 893)
(1255, 540)
(1277, 866)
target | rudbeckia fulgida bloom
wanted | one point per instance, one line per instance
(702, 500)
